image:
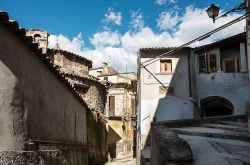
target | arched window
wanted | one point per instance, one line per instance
(37, 38)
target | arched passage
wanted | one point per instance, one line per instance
(216, 106)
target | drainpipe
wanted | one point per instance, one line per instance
(189, 74)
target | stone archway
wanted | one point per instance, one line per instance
(216, 106)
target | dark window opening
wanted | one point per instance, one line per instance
(207, 63)
(37, 38)
(111, 105)
(212, 63)
(231, 65)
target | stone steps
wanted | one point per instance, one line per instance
(212, 132)
(237, 124)
(225, 127)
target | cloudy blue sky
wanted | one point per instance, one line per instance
(112, 31)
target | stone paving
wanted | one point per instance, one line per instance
(217, 143)
(216, 151)
(129, 160)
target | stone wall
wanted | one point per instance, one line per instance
(92, 91)
(36, 106)
(97, 137)
(69, 62)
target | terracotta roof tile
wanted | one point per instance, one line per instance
(65, 52)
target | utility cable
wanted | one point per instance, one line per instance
(194, 40)
(184, 45)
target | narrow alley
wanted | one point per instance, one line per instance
(128, 160)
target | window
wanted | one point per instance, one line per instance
(231, 65)
(37, 38)
(166, 66)
(166, 90)
(212, 63)
(203, 64)
(105, 78)
(133, 105)
(207, 63)
(111, 105)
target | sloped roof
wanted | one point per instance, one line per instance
(241, 37)
(70, 54)
(152, 52)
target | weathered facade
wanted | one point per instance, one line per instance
(220, 77)
(44, 119)
(211, 80)
(120, 109)
(76, 70)
(168, 102)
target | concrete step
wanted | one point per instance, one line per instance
(243, 120)
(212, 132)
(225, 127)
(237, 124)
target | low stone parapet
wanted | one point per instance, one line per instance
(168, 147)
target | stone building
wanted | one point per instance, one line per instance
(120, 109)
(192, 83)
(75, 69)
(50, 113)
(169, 100)
(220, 77)
(40, 37)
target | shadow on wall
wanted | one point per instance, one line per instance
(171, 108)
(173, 99)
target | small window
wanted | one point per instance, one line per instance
(212, 63)
(231, 65)
(203, 64)
(106, 78)
(111, 105)
(37, 38)
(207, 63)
(166, 66)
(166, 90)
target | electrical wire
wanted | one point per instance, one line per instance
(194, 40)
(184, 45)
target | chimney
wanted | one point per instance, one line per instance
(105, 68)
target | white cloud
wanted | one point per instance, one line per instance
(195, 22)
(144, 38)
(105, 38)
(163, 2)
(74, 45)
(121, 49)
(167, 20)
(137, 21)
(113, 17)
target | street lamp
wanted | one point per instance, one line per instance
(213, 12)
